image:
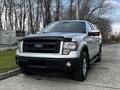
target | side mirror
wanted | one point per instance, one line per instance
(94, 33)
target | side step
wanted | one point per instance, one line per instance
(94, 59)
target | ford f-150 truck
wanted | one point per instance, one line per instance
(69, 45)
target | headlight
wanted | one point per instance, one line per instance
(69, 46)
(19, 46)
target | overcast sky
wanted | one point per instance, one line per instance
(114, 15)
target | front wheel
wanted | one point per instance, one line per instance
(25, 70)
(81, 73)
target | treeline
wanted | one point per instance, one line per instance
(114, 39)
(30, 15)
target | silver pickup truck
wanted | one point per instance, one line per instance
(69, 45)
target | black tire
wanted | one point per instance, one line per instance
(99, 55)
(25, 70)
(81, 73)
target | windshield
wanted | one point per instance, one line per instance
(76, 27)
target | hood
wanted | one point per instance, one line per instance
(63, 34)
(73, 36)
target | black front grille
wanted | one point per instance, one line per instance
(41, 46)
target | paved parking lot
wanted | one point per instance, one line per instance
(101, 76)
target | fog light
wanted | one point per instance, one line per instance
(66, 51)
(17, 60)
(68, 64)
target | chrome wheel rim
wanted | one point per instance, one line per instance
(84, 66)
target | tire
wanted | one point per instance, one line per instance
(81, 73)
(99, 55)
(25, 70)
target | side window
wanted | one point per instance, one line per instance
(91, 26)
(95, 28)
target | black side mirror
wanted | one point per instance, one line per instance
(93, 33)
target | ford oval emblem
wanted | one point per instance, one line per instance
(38, 45)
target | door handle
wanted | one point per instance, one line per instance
(91, 40)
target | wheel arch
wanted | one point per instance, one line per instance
(85, 48)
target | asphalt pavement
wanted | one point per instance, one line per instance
(101, 76)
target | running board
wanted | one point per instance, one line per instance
(94, 59)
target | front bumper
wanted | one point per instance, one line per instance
(48, 63)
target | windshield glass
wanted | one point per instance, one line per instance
(76, 27)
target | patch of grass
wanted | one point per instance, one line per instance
(7, 61)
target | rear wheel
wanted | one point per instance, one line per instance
(25, 70)
(81, 73)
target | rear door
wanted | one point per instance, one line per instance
(95, 44)
(97, 39)
(91, 42)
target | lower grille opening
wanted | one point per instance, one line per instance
(38, 63)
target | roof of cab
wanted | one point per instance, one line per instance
(72, 21)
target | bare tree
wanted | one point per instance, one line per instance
(37, 24)
(57, 12)
(25, 6)
(29, 14)
(47, 13)
(10, 13)
(71, 9)
(1, 11)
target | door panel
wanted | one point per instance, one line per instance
(91, 42)
(95, 45)
(91, 46)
